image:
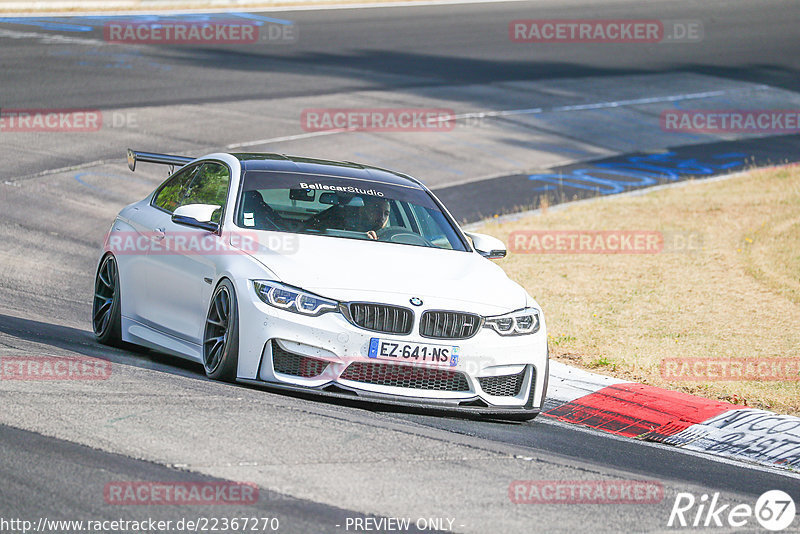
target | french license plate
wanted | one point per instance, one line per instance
(442, 355)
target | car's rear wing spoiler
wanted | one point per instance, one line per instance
(150, 157)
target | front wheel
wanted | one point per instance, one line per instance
(106, 315)
(221, 335)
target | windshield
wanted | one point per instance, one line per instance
(343, 208)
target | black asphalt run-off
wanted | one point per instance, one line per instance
(608, 176)
(85, 472)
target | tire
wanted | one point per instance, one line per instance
(221, 334)
(106, 316)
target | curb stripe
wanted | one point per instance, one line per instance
(630, 409)
(571, 383)
(684, 421)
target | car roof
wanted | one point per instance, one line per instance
(344, 169)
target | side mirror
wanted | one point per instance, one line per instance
(197, 216)
(488, 246)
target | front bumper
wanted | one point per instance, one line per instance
(498, 376)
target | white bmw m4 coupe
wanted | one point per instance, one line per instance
(329, 277)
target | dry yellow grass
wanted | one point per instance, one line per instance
(737, 296)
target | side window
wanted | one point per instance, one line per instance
(210, 186)
(432, 231)
(406, 218)
(169, 196)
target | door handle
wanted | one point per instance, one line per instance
(159, 234)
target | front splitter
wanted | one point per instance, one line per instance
(374, 400)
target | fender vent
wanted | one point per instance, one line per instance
(503, 386)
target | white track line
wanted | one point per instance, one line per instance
(50, 38)
(253, 7)
(517, 112)
(597, 105)
(480, 114)
(287, 138)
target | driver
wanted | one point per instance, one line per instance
(374, 215)
(368, 215)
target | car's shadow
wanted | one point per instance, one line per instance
(66, 339)
(74, 340)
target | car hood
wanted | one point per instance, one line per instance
(351, 269)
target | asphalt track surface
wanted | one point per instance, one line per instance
(405, 48)
(316, 463)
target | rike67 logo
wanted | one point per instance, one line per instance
(774, 510)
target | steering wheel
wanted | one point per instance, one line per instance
(398, 234)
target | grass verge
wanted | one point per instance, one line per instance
(725, 286)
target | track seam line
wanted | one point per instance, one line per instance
(448, 118)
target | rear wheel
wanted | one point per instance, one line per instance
(106, 316)
(221, 335)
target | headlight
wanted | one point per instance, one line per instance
(515, 323)
(293, 299)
